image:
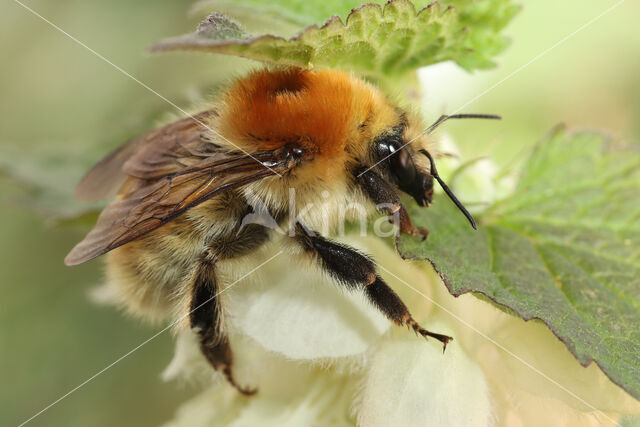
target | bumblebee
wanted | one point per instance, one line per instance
(184, 189)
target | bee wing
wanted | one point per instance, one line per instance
(166, 179)
(107, 176)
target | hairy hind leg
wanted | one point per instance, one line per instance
(355, 270)
(205, 317)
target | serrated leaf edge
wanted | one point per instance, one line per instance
(560, 130)
(192, 42)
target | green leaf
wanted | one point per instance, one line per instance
(564, 248)
(49, 178)
(219, 27)
(377, 41)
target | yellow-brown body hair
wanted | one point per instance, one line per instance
(330, 114)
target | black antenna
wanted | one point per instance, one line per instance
(446, 189)
(443, 118)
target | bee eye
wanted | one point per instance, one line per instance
(400, 163)
(402, 167)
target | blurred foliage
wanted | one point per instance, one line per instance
(47, 178)
(563, 248)
(63, 103)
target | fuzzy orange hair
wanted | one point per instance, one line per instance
(317, 110)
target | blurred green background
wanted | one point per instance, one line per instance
(60, 101)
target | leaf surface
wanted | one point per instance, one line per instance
(564, 248)
(374, 40)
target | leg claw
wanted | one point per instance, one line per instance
(444, 339)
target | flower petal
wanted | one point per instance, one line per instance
(303, 314)
(537, 368)
(289, 393)
(410, 382)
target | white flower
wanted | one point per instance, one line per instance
(320, 355)
(409, 382)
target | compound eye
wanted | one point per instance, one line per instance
(402, 167)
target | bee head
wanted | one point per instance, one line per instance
(397, 159)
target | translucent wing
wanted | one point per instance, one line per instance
(164, 178)
(107, 176)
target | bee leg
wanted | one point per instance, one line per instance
(205, 317)
(355, 270)
(387, 201)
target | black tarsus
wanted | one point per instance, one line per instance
(355, 270)
(205, 317)
(446, 189)
(346, 265)
(205, 311)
